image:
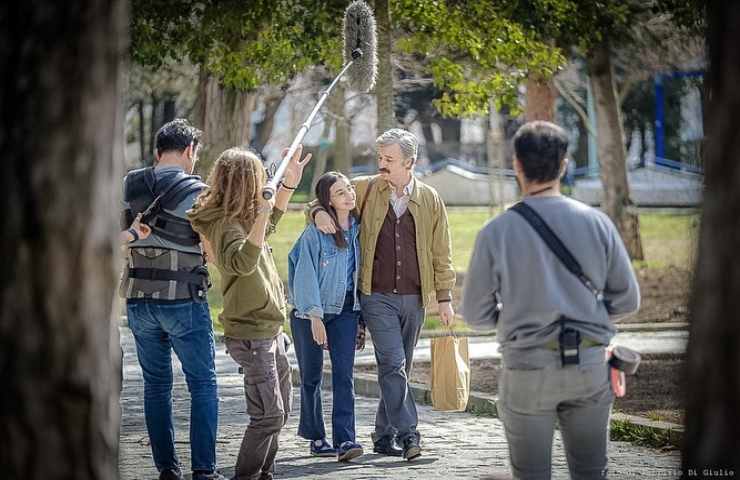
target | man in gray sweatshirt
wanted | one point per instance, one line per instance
(518, 286)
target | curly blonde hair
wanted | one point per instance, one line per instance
(234, 186)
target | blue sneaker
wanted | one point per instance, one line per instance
(349, 450)
(321, 448)
(208, 476)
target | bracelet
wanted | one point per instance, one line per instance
(134, 234)
(444, 300)
(261, 210)
(287, 187)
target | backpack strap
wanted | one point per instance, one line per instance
(556, 246)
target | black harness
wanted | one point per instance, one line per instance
(153, 197)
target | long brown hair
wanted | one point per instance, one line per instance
(323, 195)
(234, 186)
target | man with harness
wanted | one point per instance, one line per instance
(551, 275)
(165, 283)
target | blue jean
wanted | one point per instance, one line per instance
(186, 327)
(341, 333)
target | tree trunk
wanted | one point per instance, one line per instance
(169, 109)
(224, 115)
(384, 83)
(342, 155)
(495, 150)
(142, 134)
(154, 125)
(60, 124)
(612, 156)
(711, 441)
(540, 100)
(320, 165)
(264, 128)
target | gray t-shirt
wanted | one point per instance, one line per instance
(511, 264)
(186, 204)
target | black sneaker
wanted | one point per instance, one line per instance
(170, 474)
(411, 448)
(387, 446)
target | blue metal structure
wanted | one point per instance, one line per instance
(659, 86)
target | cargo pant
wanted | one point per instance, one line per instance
(268, 390)
(578, 397)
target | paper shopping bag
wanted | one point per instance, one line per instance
(450, 373)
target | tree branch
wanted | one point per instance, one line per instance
(571, 99)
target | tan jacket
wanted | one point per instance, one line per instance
(433, 246)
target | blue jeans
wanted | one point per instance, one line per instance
(186, 327)
(341, 332)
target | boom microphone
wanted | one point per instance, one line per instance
(359, 45)
(361, 62)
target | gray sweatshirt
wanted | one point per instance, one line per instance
(512, 266)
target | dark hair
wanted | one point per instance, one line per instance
(177, 135)
(323, 195)
(540, 147)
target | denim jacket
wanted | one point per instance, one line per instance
(317, 273)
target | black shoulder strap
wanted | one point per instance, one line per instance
(181, 189)
(556, 245)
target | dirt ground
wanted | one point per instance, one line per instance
(664, 292)
(665, 295)
(653, 392)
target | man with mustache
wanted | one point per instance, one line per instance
(406, 264)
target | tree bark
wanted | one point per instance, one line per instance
(612, 155)
(540, 99)
(169, 109)
(320, 165)
(342, 155)
(712, 395)
(142, 134)
(60, 121)
(384, 83)
(495, 151)
(154, 124)
(264, 128)
(224, 114)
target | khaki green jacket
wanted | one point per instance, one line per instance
(433, 246)
(254, 301)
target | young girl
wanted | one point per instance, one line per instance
(234, 220)
(322, 282)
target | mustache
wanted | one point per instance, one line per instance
(384, 170)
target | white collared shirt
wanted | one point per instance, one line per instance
(400, 204)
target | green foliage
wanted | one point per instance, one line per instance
(473, 52)
(245, 44)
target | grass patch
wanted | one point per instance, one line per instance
(432, 322)
(668, 240)
(624, 431)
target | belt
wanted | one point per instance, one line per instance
(585, 343)
(168, 275)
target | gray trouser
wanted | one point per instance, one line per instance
(395, 323)
(579, 397)
(268, 390)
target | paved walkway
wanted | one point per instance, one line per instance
(456, 445)
(660, 342)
